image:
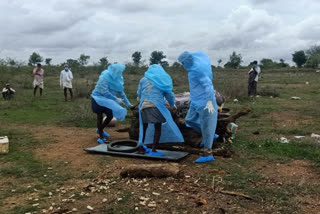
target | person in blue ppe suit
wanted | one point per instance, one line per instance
(156, 123)
(105, 101)
(202, 115)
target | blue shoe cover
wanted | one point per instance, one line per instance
(101, 141)
(216, 136)
(105, 134)
(156, 154)
(205, 159)
(146, 149)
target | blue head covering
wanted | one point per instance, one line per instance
(159, 78)
(197, 62)
(114, 76)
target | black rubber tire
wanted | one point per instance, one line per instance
(129, 143)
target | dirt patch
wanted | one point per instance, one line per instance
(297, 171)
(289, 119)
(69, 143)
(309, 204)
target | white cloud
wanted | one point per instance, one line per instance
(64, 29)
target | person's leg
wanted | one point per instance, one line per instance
(65, 94)
(193, 120)
(99, 124)
(208, 128)
(71, 93)
(141, 148)
(41, 92)
(35, 91)
(254, 90)
(109, 115)
(157, 135)
(145, 127)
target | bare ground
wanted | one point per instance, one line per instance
(194, 193)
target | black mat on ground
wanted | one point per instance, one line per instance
(168, 155)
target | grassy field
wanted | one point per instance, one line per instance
(46, 169)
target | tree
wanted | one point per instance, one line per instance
(283, 64)
(300, 58)
(34, 59)
(73, 63)
(313, 56)
(176, 65)
(104, 62)
(157, 57)
(313, 50)
(234, 60)
(83, 60)
(48, 61)
(11, 62)
(313, 61)
(136, 57)
(268, 63)
(219, 62)
(164, 64)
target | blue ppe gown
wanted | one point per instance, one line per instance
(169, 130)
(109, 85)
(201, 91)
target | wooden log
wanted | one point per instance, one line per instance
(152, 170)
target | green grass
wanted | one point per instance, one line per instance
(24, 168)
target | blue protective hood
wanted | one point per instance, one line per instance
(159, 78)
(114, 77)
(197, 62)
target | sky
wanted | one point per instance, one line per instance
(64, 29)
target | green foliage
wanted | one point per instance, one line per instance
(299, 57)
(313, 61)
(73, 63)
(48, 61)
(83, 60)
(177, 65)
(219, 62)
(157, 58)
(313, 50)
(34, 59)
(104, 62)
(282, 64)
(136, 57)
(234, 60)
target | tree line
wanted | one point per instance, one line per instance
(309, 58)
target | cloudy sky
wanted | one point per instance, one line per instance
(62, 29)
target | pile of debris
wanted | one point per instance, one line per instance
(225, 127)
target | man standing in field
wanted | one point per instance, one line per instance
(253, 79)
(66, 81)
(38, 79)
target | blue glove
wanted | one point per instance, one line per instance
(204, 159)
(105, 134)
(156, 154)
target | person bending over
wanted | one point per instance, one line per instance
(104, 98)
